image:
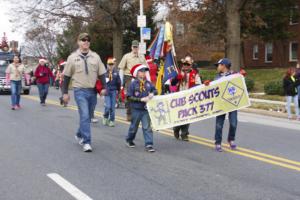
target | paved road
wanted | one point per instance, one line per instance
(39, 159)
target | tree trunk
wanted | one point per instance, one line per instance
(117, 43)
(233, 33)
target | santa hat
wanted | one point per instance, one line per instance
(148, 58)
(134, 70)
(42, 60)
(61, 62)
(111, 60)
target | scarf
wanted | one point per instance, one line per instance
(110, 75)
(142, 86)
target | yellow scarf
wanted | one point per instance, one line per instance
(142, 86)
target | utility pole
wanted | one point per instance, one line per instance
(141, 14)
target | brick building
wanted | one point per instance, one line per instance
(274, 54)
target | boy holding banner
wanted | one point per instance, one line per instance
(186, 78)
(140, 91)
(223, 69)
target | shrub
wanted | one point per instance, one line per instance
(274, 88)
(249, 84)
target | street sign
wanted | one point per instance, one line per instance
(142, 48)
(141, 21)
(146, 33)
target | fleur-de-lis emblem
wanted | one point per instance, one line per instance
(232, 90)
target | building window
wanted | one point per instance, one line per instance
(179, 28)
(268, 52)
(255, 52)
(294, 15)
(293, 51)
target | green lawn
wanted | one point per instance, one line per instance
(260, 76)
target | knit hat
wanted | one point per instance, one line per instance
(134, 70)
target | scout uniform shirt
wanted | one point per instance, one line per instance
(129, 60)
(135, 90)
(15, 73)
(82, 76)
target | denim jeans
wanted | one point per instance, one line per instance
(93, 105)
(110, 105)
(43, 91)
(232, 127)
(85, 100)
(138, 116)
(289, 100)
(16, 87)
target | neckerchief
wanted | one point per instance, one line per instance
(142, 86)
(110, 75)
(85, 63)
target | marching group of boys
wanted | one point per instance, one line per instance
(84, 67)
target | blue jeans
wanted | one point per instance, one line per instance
(289, 100)
(85, 100)
(93, 106)
(110, 105)
(16, 87)
(43, 91)
(232, 127)
(136, 117)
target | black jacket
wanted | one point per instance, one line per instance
(290, 87)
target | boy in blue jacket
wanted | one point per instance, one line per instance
(139, 93)
(113, 82)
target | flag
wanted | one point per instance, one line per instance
(170, 70)
(160, 41)
(159, 81)
(153, 45)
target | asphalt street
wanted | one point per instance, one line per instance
(37, 142)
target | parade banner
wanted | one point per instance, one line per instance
(199, 103)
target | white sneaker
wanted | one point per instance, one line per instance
(87, 148)
(94, 120)
(79, 140)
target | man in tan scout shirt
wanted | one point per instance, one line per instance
(84, 67)
(128, 61)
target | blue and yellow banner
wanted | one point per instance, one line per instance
(199, 103)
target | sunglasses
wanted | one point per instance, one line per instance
(85, 40)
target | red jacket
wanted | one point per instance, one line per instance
(43, 74)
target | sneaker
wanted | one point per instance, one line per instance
(104, 121)
(13, 108)
(176, 134)
(87, 148)
(18, 106)
(130, 144)
(232, 145)
(111, 124)
(79, 140)
(185, 138)
(61, 101)
(150, 148)
(218, 148)
(94, 120)
(43, 104)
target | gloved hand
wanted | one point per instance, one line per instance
(206, 82)
(151, 95)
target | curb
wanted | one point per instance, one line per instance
(265, 112)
